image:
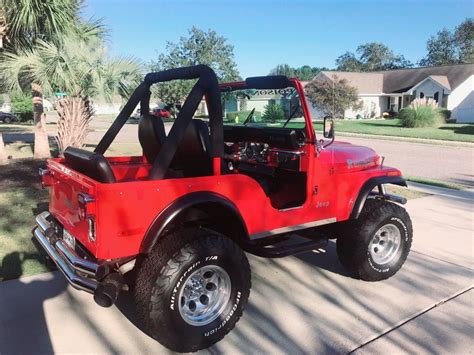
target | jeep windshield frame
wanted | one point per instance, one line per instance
(277, 85)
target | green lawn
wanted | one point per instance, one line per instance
(448, 131)
(21, 198)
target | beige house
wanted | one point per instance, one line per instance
(451, 86)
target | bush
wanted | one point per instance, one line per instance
(22, 107)
(420, 114)
(242, 115)
(446, 114)
(273, 113)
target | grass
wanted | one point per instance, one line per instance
(437, 183)
(448, 131)
(20, 200)
(404, 192)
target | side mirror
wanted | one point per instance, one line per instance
(328, 128)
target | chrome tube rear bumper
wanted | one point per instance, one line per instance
(79, 272)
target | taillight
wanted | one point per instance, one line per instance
(87, 212)
(45, 176)
(91, 228)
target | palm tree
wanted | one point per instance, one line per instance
(80, 68)
(27, 21)
(24, 24)
(3, 27)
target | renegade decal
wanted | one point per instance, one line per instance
(360, 163)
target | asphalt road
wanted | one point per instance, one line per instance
(432, 161)
(304, 304)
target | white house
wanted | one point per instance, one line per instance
(450, 85)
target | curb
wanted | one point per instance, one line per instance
(407, 139)
(466, 194)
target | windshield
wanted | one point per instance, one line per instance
(262, 107)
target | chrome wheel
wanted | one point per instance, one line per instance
(385, 244)
(205, 295)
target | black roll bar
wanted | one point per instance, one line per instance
(206, 85)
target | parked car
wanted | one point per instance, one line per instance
(181, 216)
(160, 112)
(136, 115)
(6, 117)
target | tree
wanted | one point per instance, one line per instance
(464, 38)
(3, 151)
(332, 96)
(371, 57)
(3, 26)
(200, 47)
(441, 49)
(82, 69)
(272, 113)
(349, 62)
(448, 47)
(303, 73)
(283, 69)
(23, 24)
(27, 21)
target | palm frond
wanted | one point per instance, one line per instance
(91, 30)
(30, 20)
(79, 68)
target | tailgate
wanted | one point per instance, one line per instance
(66, 186)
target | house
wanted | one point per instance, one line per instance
(451, 86)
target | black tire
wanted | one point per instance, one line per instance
(355, 237)
(162, 276)
(7, 119)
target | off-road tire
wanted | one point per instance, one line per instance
(163, 273)
(354, 239)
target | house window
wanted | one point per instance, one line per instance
(422, 94)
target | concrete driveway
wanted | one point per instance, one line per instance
(301, 304)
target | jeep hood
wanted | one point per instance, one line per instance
(348, 157)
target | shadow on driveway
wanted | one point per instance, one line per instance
(23, 327)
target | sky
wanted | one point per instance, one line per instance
(266, 33)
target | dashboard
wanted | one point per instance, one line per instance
(264, 149)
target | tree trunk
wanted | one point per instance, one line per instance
(41, 149)
(3, 152)
(74, 115)
(3, 27)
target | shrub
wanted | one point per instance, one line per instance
(242, 115)
(421, 113)
(273, 113)
(22, 107)
(445, 113)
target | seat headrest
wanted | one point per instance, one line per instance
(91, 164)
(151, 134)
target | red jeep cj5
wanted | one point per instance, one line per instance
(182, 215)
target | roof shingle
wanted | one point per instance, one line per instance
(401, 80)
